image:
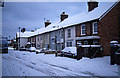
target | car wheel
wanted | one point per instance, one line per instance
(73, 55)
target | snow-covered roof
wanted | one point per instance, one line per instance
(25, 34)
(49, 28)
(87, 16)
(96, 13)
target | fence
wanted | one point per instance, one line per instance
(90, 51)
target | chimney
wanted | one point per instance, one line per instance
(92, 5)
(63, 16)
(47, 23)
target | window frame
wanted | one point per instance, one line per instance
(82, 30)
(93, 25)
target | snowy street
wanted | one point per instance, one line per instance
(25, 63)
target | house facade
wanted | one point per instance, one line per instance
(70, 37)
(57, 40)
(98, 26)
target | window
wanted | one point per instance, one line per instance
(33, 39)
(59, 32)
(69, 44)
(46, 37)
(85, 42)
(69, 33)
(62, 34)
(83, 29)
(95, 42)
(95, 28)
(79, 42)
(41, 38)
(38, 38)
(38, 45)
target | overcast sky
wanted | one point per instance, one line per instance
(31, 14)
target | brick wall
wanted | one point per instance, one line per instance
(88, 27)
(108, 29)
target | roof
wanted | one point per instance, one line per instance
(96, 13)
(87, 16)
(25, 34)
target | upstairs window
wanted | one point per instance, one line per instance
(95, 28)
(83, 29)
(38, 38)
(69, 33)
(62, 34)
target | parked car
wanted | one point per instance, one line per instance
(38, 51)
(3, 45)
(32, 49)
(42, 50)
(22, 49)
(69, 51)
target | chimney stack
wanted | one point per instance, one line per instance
(92, 5)
(47, 23)
(63, 16)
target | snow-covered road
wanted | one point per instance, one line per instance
(24, 63)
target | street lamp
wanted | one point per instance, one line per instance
(19, 37)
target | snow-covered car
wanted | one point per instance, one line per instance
(32, 49)
(38, 51)
(69, 51)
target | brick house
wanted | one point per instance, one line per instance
(101, 30)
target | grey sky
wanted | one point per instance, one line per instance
(31, 14)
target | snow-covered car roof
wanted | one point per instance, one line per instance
(70, 49)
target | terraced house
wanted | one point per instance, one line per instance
(97, 26)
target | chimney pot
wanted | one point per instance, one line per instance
(47, 23)
(92, 4)
(63, 12)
